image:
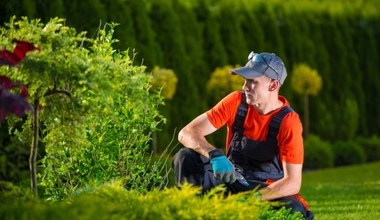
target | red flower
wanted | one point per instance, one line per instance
(13, 58)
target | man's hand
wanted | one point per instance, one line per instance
(222, 167)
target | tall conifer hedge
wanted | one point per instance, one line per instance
(193, 37)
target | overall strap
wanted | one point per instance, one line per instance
(237, 126)
(275, 123)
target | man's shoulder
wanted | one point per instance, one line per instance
(232, 99)
(235, 95)
(291, 119)
(225, 110)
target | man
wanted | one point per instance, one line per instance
(264, 139)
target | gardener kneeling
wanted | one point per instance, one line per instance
(264, 139)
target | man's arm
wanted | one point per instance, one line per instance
(193, 135)
(287, 186)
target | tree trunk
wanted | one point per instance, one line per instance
(33, 151)
(306, 116)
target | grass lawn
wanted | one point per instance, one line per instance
(351, 192)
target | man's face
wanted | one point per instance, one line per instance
(257, 90)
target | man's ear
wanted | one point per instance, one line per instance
(274, 84)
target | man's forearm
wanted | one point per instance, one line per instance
(279, 189)
(195, 142)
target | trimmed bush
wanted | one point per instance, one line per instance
(113, 201)
(318, 153)
(347, 153)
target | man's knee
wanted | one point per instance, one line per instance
(183, 156)
(296, 206)
(187, 166)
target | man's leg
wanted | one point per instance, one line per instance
(187, 167)
(193, 168)
(297, 206)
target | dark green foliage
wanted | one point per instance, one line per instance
(346, 120)
(13, 157)
(232, 35)
(318, 153)
(148, 50)
(252, 30)
(166, 23)
(191, 30)
(169, 36)
(6, 7)
(48, 9)
(121, 14)
(191, 52)
(29, 8)
(271, 24)
(371, 147)
(368, 50)
(348, 152)
(85, 15)
(215, 53)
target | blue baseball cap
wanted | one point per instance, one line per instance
(263, 64)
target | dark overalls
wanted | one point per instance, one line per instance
(257, 161)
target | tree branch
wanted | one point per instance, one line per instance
(55, 91)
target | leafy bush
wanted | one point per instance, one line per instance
(371, 147)
(113, 201)
(347, 153)
(10, 193)
(318, 153)
(13, 157)
(164, 80)
(305, 80)
(95, 112)
(221, 83)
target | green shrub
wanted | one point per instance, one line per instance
(371, 147)
(347, 153)
(9, 192)
(281, 213)
(113, 201)
(164, 80)
(318, 153)
(221, 83)
(94, 107)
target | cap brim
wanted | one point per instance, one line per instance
(246, 72)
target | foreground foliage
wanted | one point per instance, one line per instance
(351, 192)
(112, 201)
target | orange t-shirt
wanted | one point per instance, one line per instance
(289, 137)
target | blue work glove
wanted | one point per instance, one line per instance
(222, 167)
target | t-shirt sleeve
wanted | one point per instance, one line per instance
(224, 112)
(291, 140)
